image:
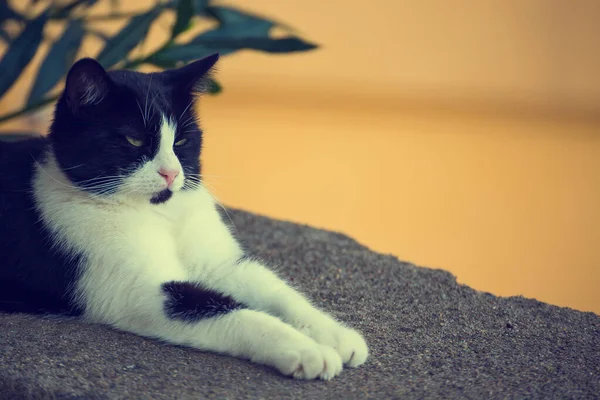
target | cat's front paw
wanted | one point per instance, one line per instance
(349, 343)
(310, 362)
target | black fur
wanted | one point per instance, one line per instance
(191, 302)
(34, 277)
(161, 197)
(89, 141)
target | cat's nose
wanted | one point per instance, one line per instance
(168, 174)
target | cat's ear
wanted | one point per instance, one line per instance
(87, 84)
(192, 78)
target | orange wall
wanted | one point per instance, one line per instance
(536, 53)
(460, 135)
(507, 204)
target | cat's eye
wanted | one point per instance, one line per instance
(181, 142)
(135, 142)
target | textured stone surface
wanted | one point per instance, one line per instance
(429, 337)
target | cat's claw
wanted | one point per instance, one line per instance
(351, 346)
(349, 343)
(311, 362)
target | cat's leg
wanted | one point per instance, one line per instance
(155, 300)
(252, 282)
(217, 259)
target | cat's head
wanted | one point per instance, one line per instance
(126, 133)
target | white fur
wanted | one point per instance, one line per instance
(132, 247)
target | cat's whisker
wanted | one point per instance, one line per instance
(71, 168)
(141, 112)
(146, 111)
(102, 178)
(185, 109)
(190, 120)
(152, 105)
(186, 123)
(215, 178)
(91, 186)
(70, 186)
(50, 176)
(98, 189)
(101, 184)
(212, 175)
(222, 206)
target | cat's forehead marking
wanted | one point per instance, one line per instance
(168, 127)
(165, 156)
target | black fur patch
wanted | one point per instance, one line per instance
(34, 277)
(191, 302)
(161, 197)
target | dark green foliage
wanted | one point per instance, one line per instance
(235, 23)
(185, 12)
(118, 47)
(236, 30)
(58, 61)
(8, 13)
(65, 11)
(214, 87)
(20, 52)
(4, 36)
(191, 51)
(200, 6)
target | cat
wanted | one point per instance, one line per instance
(107, 218)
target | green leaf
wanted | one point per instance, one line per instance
(8, 13)
(236, 23)
(185, 11)
(288, 44)
(65, 11)
(178, 53)
(200, 6)
(214, 87)
(21, 51)
(17, 136)
(238, 30)
(4, 36)
(58, 61)
(99, 34)
(165, 64)
(117, 48)
(199, 48)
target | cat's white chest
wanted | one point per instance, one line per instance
(192, 222)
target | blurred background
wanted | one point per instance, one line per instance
(457, 135)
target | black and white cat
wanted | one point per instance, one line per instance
(107, 218)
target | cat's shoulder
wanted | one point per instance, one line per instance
(22, 150)
(17, 161)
